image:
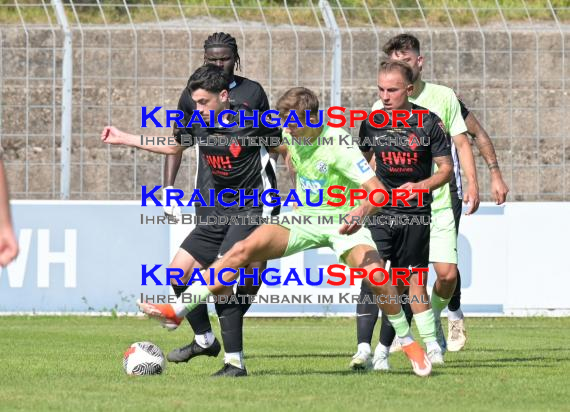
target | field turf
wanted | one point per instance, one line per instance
(75, 363)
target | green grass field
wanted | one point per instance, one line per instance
(75, 363)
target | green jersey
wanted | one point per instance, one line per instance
(321, 166)
(443, 102)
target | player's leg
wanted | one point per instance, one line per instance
(457, 335)
(265, 243)
(366, 316)
(443, 255)
(359, 251)
(366, 256)
(230, 313)
(204, 243)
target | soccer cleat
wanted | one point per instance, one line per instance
(380, 361)
(435, 356)
(361, 361)
(457, 335)
(163, 312)
(230, 371)
(185, 353)
(417, 356)
(396, 346)
(440, 336)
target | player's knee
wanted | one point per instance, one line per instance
(240, 253)
(448, 276)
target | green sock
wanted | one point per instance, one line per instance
(185, 303)
(425, 322)
(400, 324)
(438, 303)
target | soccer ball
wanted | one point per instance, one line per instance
(144, 358)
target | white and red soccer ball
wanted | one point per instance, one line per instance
(144, 358)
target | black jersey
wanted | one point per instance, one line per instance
(243, 92)
(406, 154)
(244, 164)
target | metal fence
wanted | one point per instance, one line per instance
(507, 59)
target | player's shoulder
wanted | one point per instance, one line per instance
(378, 105)
(245, 83)
(440, 90)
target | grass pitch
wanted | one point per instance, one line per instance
(75, 363)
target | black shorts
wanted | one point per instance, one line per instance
(403, 244)
(457, 206)
(206, 243)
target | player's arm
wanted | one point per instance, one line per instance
(171, 165)
(366, 207)
(466, 159)
(8, 242)
(114, 136)
(467, 162)
(499, 188)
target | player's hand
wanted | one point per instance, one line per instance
(353, 218)
(172, 212)
(8, 246)
(111, 135)
(499, 188)
(409, 186)
(471, 197)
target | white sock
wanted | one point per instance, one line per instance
(433, 346)
(381, 349)
(455, 314)
(235, 359)
(206, 340)
(364, 347)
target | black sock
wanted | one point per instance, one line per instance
(244, 297)
(198, 318)
(231, 323)
(366, 315)
(455, 302)
(387, 332)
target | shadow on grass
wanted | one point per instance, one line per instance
(367, 374)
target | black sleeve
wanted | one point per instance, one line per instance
(263, 102)
(464, 109)
(440, 141)
(364, 147)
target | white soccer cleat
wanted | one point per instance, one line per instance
(435, 356)
(361, 361)
(457, 335)
(380, 361)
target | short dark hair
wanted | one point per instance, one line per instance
(299, 99)
(404, 68)
(210, 78)
(402, 42)
(221, 39)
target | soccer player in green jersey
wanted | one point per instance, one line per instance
(317, 168)
(442, 101)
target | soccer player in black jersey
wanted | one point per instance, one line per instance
(233, 167)
(220, 49)
(407, 166)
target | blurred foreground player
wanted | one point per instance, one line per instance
(317, 168)
(238, 167)
(8, 242)
(404, 238)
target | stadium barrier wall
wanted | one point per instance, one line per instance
(86, 257)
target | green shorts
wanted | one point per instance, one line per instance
(443, 237)
(318, 234)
